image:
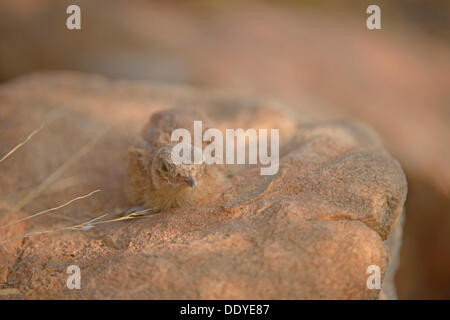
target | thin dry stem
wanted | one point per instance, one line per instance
(49, 210)
(20, 145)
(36, 233)
(133, 215)
(59, 171)
(88, 225)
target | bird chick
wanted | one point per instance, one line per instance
(158, 183)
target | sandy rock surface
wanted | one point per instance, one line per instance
(310, 231)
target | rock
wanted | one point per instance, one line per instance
(308, 232)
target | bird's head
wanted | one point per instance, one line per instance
(166, 171)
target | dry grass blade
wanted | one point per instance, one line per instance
(59, 171)
(74, 227)
(85, 225)
(20, 145)
(88, 225)
(133, 215)
(50, 210)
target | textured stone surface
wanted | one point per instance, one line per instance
(308, 232)
(381, 78)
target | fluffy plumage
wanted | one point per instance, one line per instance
(154, 180)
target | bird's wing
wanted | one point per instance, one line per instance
(158, 130)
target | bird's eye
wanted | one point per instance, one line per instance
(164, 167)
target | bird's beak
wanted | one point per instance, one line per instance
(190, 181)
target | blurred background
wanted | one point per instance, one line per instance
(315, 55)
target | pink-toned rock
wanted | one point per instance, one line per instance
(310, 231)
